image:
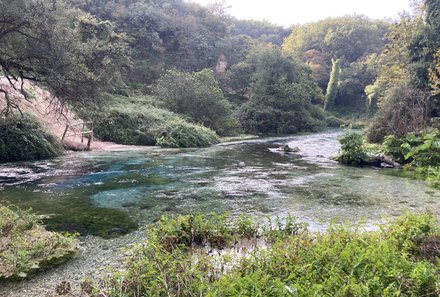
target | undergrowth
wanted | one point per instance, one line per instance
(138, 121)
(24, 139)
(192, 256)
(26, 246)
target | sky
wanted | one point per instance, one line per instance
(288, 12)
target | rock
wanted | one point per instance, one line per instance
(386, 165)
(287, 149)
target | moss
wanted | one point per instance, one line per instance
(103, 222)
(27, 247)
(24, 139)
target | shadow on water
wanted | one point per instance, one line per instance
(110, 193)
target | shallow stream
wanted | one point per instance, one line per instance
(109, 193)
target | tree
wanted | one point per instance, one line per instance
(404, 109)
(197, 96)
(424, 44)
(347, 38)
(238, 78)
(281, 93)
(393, 62)
(332, 88)
(70, 53)
(434, 75)
(165, 34)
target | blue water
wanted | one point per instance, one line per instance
(250, 176)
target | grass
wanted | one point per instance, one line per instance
(204, 256)
(26, 246)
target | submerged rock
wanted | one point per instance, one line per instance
(287, 149)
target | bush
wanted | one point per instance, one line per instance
(258, 118)
(137, 121)
(353, 150)
(343, 261)
(420, 149)
(183, 134)
(334, 122)
(27, 247)
(24, 139)
(403, 111)
(199, 97)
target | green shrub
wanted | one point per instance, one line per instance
(182, 134)
(342, 261)
(353, 150)
(27, 247)
(24, 139)
(138, 121)
(260, 118)
(198, 97)
(334, 122)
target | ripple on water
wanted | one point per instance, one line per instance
(244, 176)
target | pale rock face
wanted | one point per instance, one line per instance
(222, 63)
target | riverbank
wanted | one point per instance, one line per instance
(97, 258)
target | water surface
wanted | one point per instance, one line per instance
(109, 193)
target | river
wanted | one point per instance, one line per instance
(109, 193)
(113, 193)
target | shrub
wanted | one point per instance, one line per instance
(137, 121)
(27, 247)
(353, 150)
(403, 110)
(199, 97)
(421, 149)
(24, 139)
(182, 134)
(334, 122)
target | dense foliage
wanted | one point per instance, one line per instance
(198, 97)
(398, 259)
(74, 55)
(352, 149)
(281, 94)
(23, 138)
(352, 40)
(27, 247)
(140, 122)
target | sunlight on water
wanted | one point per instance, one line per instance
(108, 190)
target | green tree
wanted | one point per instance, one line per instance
(434, 75)
(70, 53)
(165, 34)
(238, 78)
(348, 38)
(197, 96)
(332, 88)
(393, 62)
(281, 93)
(424, 44)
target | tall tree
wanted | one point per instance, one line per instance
(70, 53)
